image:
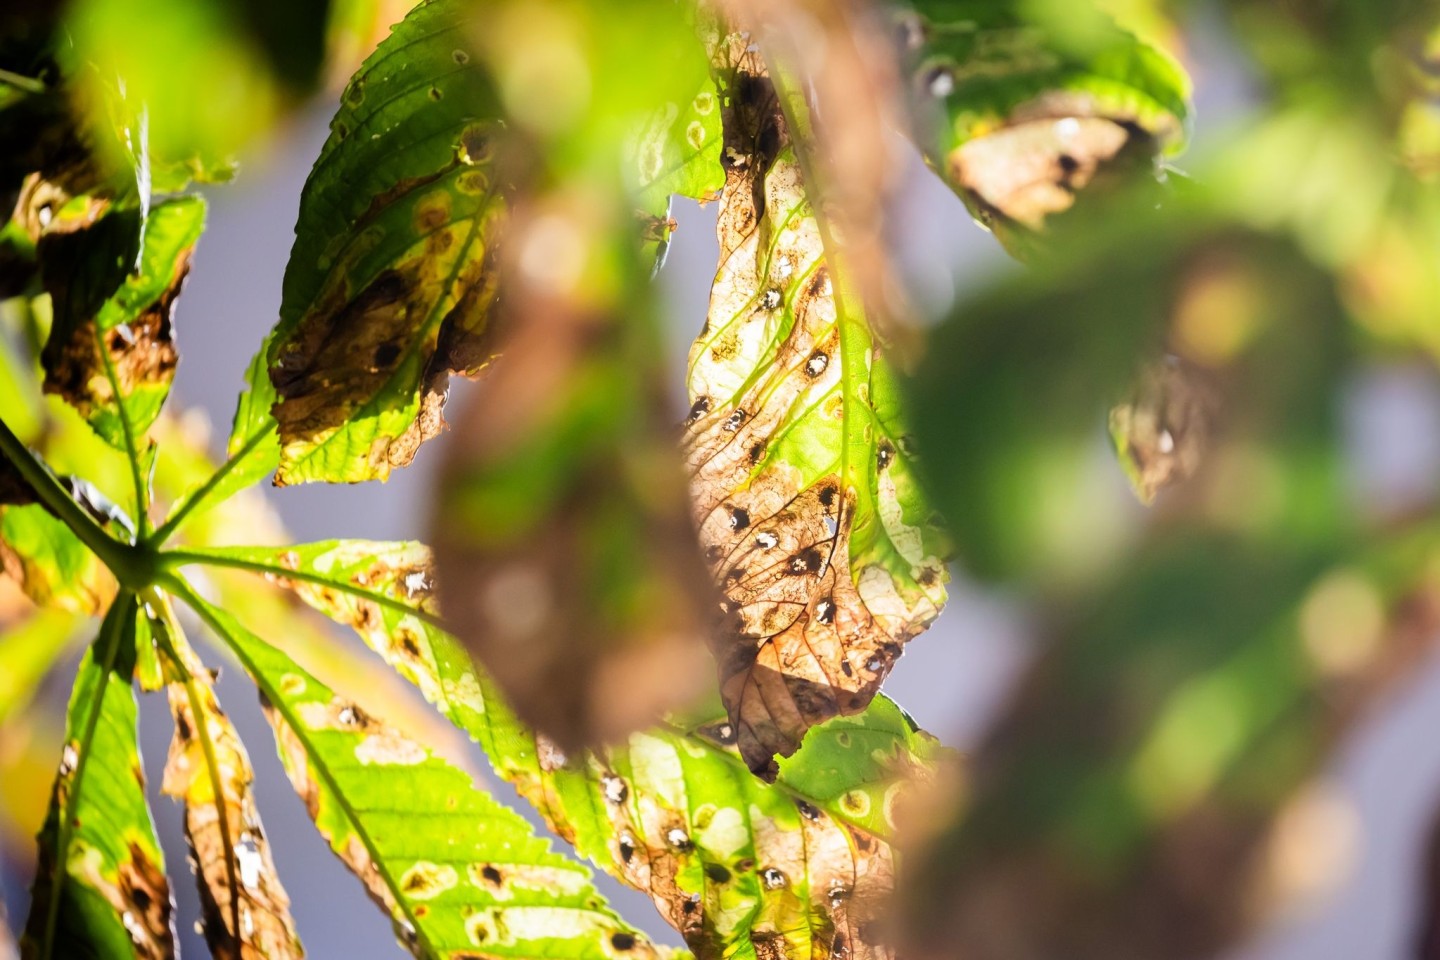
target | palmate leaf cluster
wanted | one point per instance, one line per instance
(493, 202)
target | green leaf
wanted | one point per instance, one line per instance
(391, 278)
(732, 862)
(460, 875)
(101, 890)
(111, 352)
(858, 768)
(245, 909)
(1020, 112)
(802, 480)
(50, 563)
(678, 151)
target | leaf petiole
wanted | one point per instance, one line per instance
(191, 503)
(131, 566)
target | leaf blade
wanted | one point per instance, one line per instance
(802, 487)
(101, 888)
(619, 807)
(477, 882)
(244, 907)
(389, 282)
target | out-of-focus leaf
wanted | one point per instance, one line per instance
(673, 811)
(1019, 114)
(1161, 431)
(356, 28)
(1147, 793)
(562, 528)
(460, 875)
(28, 650)
(214, 74)
(245, 910)
(390, 280)
(111, 352)
(801, 475)
(563, 488)
(1038, 362)
(50, 563)
(8, 949)
(101, 890)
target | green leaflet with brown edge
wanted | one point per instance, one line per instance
(461, 876)
(245, 909)
(809, 854)
(100, 889)
(1017, 115)
(390, 280)
(801, 473)
(111, 352)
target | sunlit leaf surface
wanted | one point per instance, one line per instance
(101, 889)
(245, 910)
(801, 477)
(739, 866)
(461, 876)
(391, 277)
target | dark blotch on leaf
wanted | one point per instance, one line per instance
(717, 873)
(739, 518)
(622, 941)
(698, 409)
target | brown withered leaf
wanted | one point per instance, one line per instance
(852, 100)
(801, 480)
(246, 912)
(564, 552)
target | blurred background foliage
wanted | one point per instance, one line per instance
(1150, 790)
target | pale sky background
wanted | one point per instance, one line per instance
(951, 679)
